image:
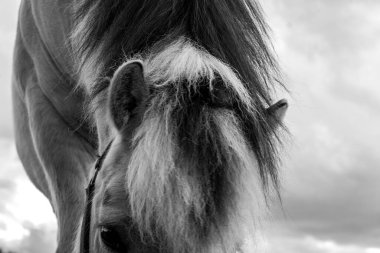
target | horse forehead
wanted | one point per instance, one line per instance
(114, 194)
(113, 200)
(111, 182)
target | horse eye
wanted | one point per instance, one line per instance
(110, 238)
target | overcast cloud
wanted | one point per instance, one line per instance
(330, 54)
(330, 51)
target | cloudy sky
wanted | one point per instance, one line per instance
(330, 55)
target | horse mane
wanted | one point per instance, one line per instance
(229, 40)
(232, 31)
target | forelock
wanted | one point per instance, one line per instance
(192, 161)
(183, 60)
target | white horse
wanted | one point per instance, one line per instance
(180, 93)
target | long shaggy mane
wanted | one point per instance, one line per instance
(233, 31)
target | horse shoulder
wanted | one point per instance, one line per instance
(52, 141)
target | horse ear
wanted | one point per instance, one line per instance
(128, 92)
(276, 112)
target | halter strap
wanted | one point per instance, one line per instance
(86, 221)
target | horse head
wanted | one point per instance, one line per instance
(186, 169)
(184, 90)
